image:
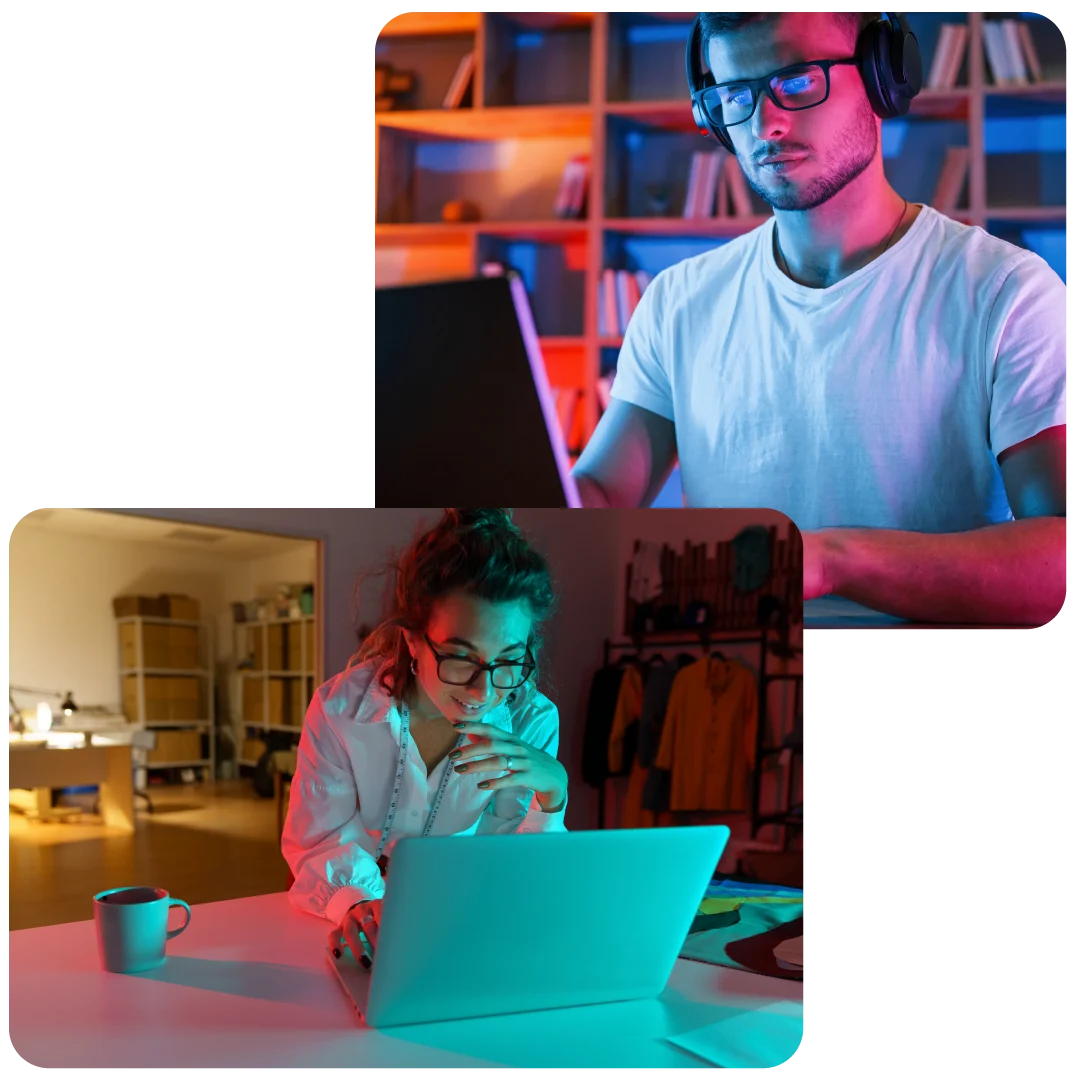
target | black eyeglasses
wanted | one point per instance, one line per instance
(459, 671)
(801, 86)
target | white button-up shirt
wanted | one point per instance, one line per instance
(346, 764)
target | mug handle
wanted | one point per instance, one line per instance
(180, 929)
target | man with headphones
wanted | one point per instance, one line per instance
(892, 380)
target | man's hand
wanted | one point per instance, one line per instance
(815, 573)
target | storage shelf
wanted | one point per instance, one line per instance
(497, 122)
(438, 232)
(729, 226)
(1050, 91)
(164, 671)
(159, 619)
(1026, 213)
(244, 761)
(424, 24)
(177, 723)
(278, 674)
(272, 727)
(204, 763)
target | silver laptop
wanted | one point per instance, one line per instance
(465, 411)
(488, 925)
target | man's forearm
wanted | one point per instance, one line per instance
(1013, 573)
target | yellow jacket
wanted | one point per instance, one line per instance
(709, 737)
(627, 711)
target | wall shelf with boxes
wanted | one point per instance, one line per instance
(482, 181)
(279, 679)
(167, 680)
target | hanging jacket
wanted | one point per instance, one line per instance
(599, 716)
(623, 740)
(658, 684)
(709, 737)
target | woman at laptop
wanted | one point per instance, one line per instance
(436, 726)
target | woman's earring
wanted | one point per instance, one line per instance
(414, 667)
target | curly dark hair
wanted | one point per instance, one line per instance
(713, 24)
(481, 552)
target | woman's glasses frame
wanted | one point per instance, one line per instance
(528, 666)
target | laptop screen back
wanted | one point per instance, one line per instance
(463, 411)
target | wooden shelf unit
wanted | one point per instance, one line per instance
(409, 250)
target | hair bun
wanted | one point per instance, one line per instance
(489, 517)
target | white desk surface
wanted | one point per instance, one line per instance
(248, 984)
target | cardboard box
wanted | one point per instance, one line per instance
(287, 705)
(275, 647)
(155, 645)
(184, 647)
(253, 700)
(181, 607)
(167, 698)
(294, 657)
(182, 746)
(163, 646)
(125, 606)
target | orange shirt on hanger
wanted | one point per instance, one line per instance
(709, 737)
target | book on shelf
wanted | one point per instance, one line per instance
(1010, 51)
(1031, 55)
(692, 187)
(620, 294)
(570, 200)
(1015, 51)
(455, 94)
(957, 52)
(951, 181)
(737, 187)
(948, 56)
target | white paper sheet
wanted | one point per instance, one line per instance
(757, 1039)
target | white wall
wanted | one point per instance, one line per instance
(353, 539)
(62, 629)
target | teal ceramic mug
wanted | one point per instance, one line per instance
(133, 926)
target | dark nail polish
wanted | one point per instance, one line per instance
(461, 768)
(337, 954)
(483, 784)
(366, 963)
(455, 755)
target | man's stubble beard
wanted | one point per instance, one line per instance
(853, 154)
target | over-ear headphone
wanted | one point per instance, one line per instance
(889, 61)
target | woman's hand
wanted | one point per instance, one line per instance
(492, 749)
(360, 918)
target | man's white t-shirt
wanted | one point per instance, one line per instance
(882, 401)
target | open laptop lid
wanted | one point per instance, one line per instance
(464, 412)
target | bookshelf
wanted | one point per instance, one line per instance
(280, 682)
(612, 86)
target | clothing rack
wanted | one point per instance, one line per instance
(764, 678)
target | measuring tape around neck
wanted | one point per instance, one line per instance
(399, 778)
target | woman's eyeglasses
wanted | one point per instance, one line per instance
(458, 671)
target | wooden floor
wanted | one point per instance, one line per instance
(202, 843)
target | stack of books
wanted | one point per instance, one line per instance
(460, 82)
(1010, 51)
(570, 201)
(620, 293)
(717, 187)
(948, 56)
